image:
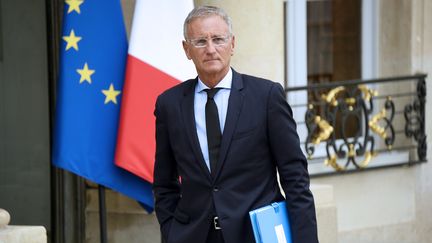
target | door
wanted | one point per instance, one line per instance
(24, 113)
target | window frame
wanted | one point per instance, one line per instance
(296, 69)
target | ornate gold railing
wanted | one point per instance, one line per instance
(357, 120)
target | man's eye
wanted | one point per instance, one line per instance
(201, 42)
(218, 40)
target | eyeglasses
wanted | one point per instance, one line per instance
(216, 40)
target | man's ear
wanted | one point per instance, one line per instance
(186, 49)
(232, 45)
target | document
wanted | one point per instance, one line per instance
(271, 224)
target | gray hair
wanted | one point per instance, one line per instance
(206, 11)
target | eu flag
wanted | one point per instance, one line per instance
(92, 65)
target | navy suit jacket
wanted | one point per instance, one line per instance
(259, 138)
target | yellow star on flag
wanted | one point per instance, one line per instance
(111, 94)
(85, 74)
(72, 40)
(74, 5)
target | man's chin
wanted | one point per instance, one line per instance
(213, 69)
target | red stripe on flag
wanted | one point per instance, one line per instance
(136, 144)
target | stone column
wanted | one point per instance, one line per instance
(422, 61)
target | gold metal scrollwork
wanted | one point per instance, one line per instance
(375, 127)
(330, 97)
(325, 130)
(368, 93)
(332, 162)
(351, 151)
(367, 158)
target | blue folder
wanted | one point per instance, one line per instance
(270, 224)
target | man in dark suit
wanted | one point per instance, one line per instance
(220, 140)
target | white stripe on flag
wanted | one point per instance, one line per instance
(157, 35)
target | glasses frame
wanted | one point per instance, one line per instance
(194, 43)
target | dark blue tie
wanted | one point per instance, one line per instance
(214, 135)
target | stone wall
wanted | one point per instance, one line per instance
(386, 205)
(422, 61)
(392, 205)
(259, 31)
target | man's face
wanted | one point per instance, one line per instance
(212, 59)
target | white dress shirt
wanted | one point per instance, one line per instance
(221, 99)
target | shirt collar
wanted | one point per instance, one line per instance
(225, 83)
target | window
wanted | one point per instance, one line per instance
(328, 40)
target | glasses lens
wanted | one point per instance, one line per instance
(203, 42)
(200, 42)
(219, 40)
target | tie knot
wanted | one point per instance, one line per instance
(211, 92)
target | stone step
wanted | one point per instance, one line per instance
(20, 234)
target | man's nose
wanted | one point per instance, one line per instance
(210, 47)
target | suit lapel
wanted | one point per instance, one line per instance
(234, 107)
(187, 107)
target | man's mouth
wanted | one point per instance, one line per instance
(211, 60)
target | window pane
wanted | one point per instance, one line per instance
(333, 36)
(334, 50)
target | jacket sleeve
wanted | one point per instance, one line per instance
(292, 167)
(166, 187)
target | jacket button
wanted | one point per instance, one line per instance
(215, 189)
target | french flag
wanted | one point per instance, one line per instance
(156, 61)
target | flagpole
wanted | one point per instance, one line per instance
(102, 215)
